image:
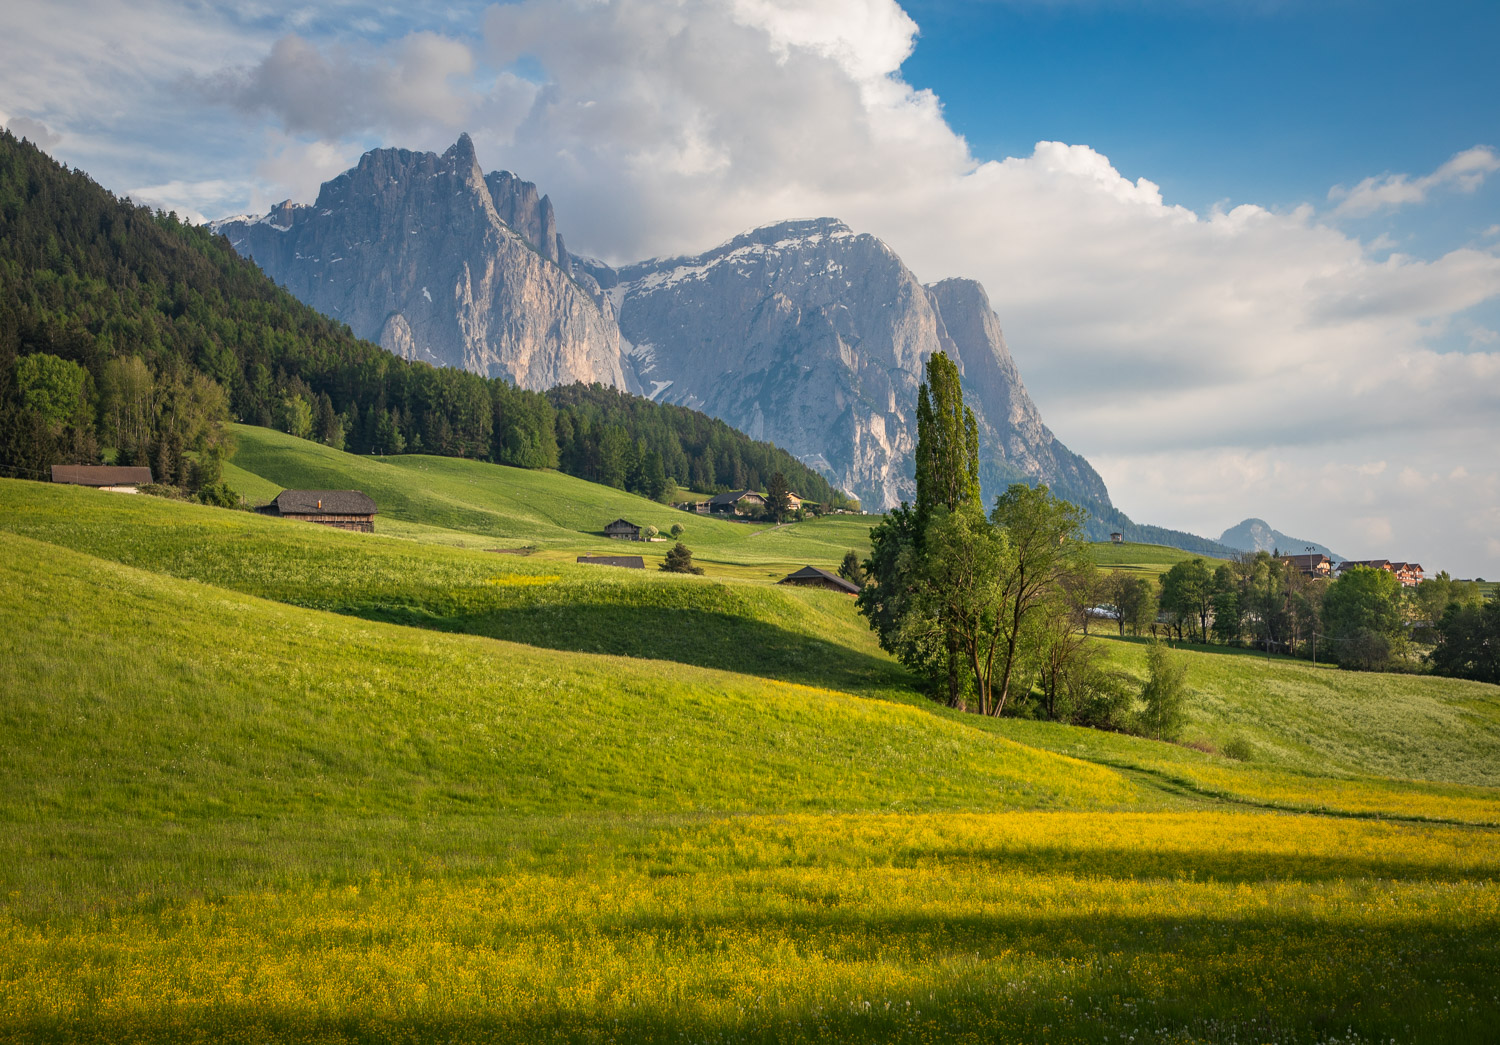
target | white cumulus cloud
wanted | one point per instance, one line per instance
(1465, 172)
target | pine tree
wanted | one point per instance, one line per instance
(680, 560)
(777, 503)
(850, 569)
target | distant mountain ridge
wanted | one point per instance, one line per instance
(804, 332)
(99, 283)
(1257, 535)
(801, 331)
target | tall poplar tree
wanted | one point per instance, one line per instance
(947, 442)
(947, 477)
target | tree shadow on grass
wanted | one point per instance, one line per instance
(685, 635)
(1224, 865)
(1079, 976)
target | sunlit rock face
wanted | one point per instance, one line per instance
(815, 337)
(433, 260)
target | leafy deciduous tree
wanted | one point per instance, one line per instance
(1469, 642)
(1363, 614)
(1164, 694)
(1043, 533)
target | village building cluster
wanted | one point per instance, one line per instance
(741, 503)
(1315, 565)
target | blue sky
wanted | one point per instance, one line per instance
(1270, 102)
(1145, 189)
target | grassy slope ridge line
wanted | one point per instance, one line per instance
(1143, 558)
(796, 634)
(175, 699)
(511, 507)
(1311, 728)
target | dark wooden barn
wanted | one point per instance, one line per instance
(623, 530)
(812, 577)
(342, 509)
(120, 478)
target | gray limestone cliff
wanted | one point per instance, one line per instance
(1014, 441)
(815, 337)
(803, 333)
(433, 260)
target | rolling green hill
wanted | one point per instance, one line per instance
(189, 700)
(1142, 558)
(1288, 715)
(797, 634)
(451, 500)
(228, 817)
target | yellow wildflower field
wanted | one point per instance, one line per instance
(1183, 927)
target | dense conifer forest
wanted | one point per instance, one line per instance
(129, 335)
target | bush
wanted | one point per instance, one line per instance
(1239, 749)
(1364, 649)
(1110, 703)
(220, 496)
(650, 532)
(165, 491)
(678, 529)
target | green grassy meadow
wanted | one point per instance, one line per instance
(267, 781)
(475, 504)
(1151, 559)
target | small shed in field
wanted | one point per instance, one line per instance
(1117, 538)
(812, 577)
(116, 478)
(627, 562)
(623, 530)
(341, 509)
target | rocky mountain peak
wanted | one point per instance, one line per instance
(411, 250)
(1257, 535)
(461, 153)
(530, 214)
(797, 232)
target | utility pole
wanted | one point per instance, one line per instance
(1315, 623)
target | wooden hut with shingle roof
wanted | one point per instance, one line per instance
(812, 577)
(341, 509)
(118, 478)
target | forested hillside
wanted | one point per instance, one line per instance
(613, 437)
(129, 331)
